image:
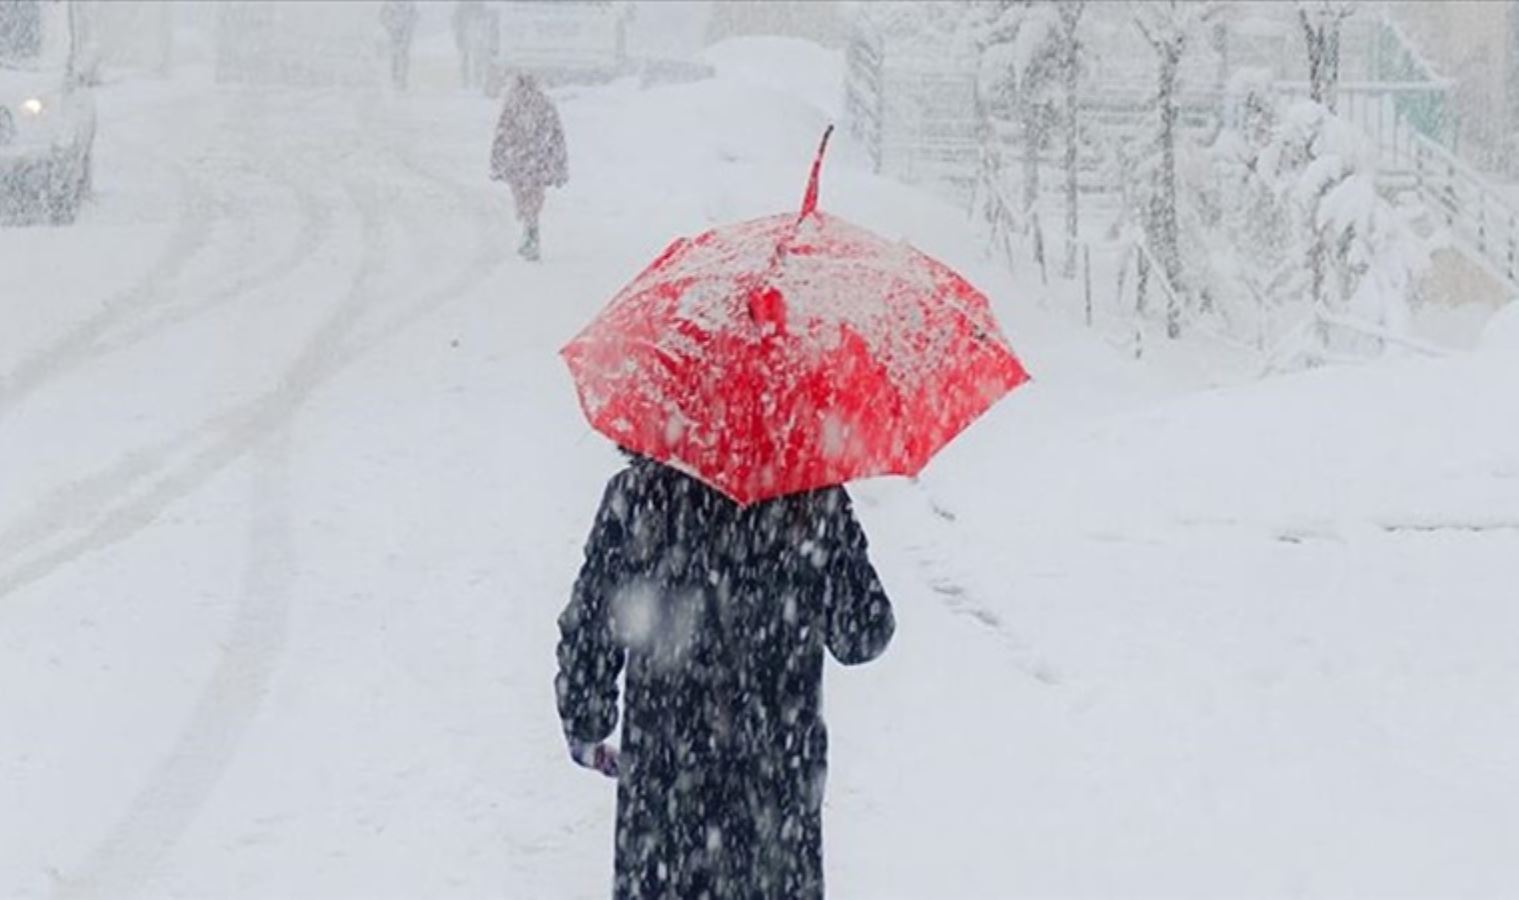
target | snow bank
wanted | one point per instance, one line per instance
(1403, 444)
(1501, 336)
(1257, 623)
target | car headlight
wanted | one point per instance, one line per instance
(32, 106)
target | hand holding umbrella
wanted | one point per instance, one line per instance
(601, 757)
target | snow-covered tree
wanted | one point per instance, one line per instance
(1303, 232)
(917, 20)
(1322, 21)
(1168, 26)
(1030, 59)
(1251, 244)
(1017, 39)
(1068, 65)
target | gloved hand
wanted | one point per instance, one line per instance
(601, 757)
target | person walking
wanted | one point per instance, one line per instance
(529, 154)
(768, 363)
(720, 615)
(468, 19)
(400, 20)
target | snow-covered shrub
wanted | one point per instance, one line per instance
(1305, 247)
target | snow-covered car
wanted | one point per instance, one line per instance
(47, 129)
(47, 125)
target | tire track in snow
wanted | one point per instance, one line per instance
(167, 804)
(179, 786)
(314, 233)
(92, 338)
(191, 233)
(231, 436)
(72, 505)
(231, 432)
(166, 807)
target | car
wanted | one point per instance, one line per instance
(47, 123)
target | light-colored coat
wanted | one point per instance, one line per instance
(529, 146)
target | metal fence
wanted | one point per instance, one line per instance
(915, 113)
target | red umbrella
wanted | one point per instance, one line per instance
(789, 353)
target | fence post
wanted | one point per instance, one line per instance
(1511, 225)
(1399, 134)
(1450, 194)
(1482, 224)
(1123, 275)
(1086, 265)
(1044, 277)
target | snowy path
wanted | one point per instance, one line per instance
(295, 487)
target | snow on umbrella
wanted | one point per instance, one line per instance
(789, 353)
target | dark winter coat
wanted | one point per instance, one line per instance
(529, 144)
(720, 614)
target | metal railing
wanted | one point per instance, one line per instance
(1467, 203)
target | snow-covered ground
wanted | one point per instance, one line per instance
(293, 485)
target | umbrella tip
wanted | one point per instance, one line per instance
(810, 199)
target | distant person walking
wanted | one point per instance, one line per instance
(469, 20)
(400, 20)
(529, 154)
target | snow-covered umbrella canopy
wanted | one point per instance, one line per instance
(789, 353)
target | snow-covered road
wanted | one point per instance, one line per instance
(292, 486)
(169, 455)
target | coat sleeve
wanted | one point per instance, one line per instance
(590, 657)
(859, 618)
(559, 163)
(500, 150)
